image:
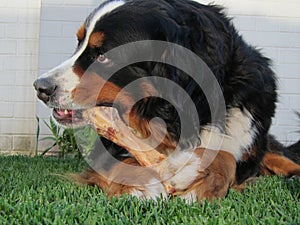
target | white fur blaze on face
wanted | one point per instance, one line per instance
(63, 75)
(67, 80)
(239, 134)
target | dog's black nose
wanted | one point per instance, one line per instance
(45, 88)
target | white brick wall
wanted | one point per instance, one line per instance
(19, 33)
(272, 25)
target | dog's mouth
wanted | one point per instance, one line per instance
(74, 117)
(68, 117)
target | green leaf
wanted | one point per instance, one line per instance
(48, 149)
(37, 136)
(48, 138)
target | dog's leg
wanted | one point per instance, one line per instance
(126, 177)
(275, 163)
(280, 159)
(207, 174)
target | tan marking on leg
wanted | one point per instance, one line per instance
(280, 165)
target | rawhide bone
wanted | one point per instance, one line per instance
(109, 125)
(215, 168)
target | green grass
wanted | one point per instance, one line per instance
(33, 192)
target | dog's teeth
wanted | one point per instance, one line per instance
(66, 112)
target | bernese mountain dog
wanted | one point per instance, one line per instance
(94, 78)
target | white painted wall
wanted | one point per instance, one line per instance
(19, 40)
(272, 25)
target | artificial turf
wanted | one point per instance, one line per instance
(33, 191)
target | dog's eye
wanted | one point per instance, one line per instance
(102, 59)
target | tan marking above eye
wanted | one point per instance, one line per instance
(81, 33)
(96, 39)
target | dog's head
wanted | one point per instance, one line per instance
(75, 84)
(58, 87)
